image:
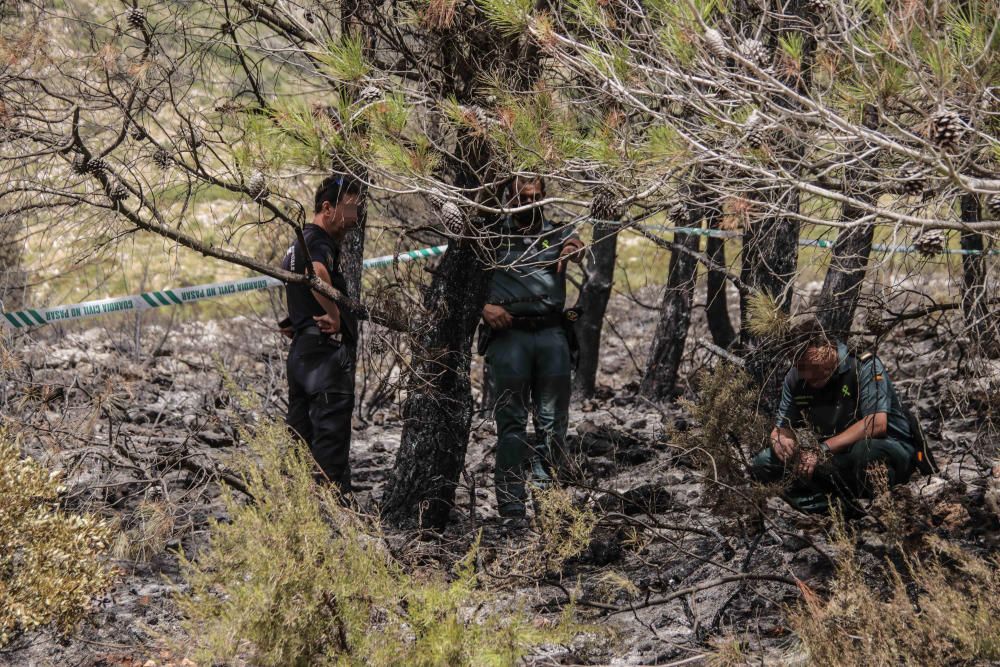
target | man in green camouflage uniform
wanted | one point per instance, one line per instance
(528, 353)
(850, 404)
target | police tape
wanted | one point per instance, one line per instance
(33, 317)
(820, 243)
(176, 296)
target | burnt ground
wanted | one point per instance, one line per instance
(143, 426)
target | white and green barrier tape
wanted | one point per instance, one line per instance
(817, 243)
(33, 317)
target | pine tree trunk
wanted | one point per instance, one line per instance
(352, 254)
(770, 246)
(593, 300)
(849, 262)
(12, 279)
(438, 409)
(437, 412)
(769, 257)
(975, 293)
(717, 306)
(667, 348)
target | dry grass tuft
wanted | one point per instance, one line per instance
(939, 610)
(151, 528)
(51, 561)
(564, 527)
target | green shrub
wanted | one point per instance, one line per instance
(51, 561)
(294, 578)
(564, 528)
(727, 432)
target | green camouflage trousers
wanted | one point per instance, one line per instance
(530, 372)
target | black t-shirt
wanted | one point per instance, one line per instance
(302, 304)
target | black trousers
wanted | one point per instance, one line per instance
(320, 402)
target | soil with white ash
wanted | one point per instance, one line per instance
(147, 434)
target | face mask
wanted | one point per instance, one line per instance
(529, 218)
(349, 212)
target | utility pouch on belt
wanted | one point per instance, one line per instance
(570, 317)
(485, 334)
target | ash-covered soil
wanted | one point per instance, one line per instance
(143, 426)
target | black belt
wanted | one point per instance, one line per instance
(537, 322)
(313, 330)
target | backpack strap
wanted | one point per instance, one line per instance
(925, 463)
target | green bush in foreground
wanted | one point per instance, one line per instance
(296, 579)
(51, 562)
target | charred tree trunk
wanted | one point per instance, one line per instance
(437, 413)
(667, 348)
(717, 306)
(593, 301)
(438, 410)
(849, 263)
(769, 258)
(352, 250)
(975, 301)
(771, 245)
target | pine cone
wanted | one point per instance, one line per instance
(754, 51)
(754, 131)
(195, 138)
(96, 165)
(227, 106)
(875, 324)
(376, 345)
(451, 216)
(715, 43)
(930, 242)
(946, 128)
(135, 17)
(118, 192)
(369, 94)
(603, 206)
(678, 214)
(436, 199)
(257, 186)
(993, 207)
(912, 178)
(161, 158)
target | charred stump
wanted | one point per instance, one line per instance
(593, 301)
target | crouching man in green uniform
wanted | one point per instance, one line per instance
(851, 406)
(526, 346)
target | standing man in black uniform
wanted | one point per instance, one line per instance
(320, 362)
